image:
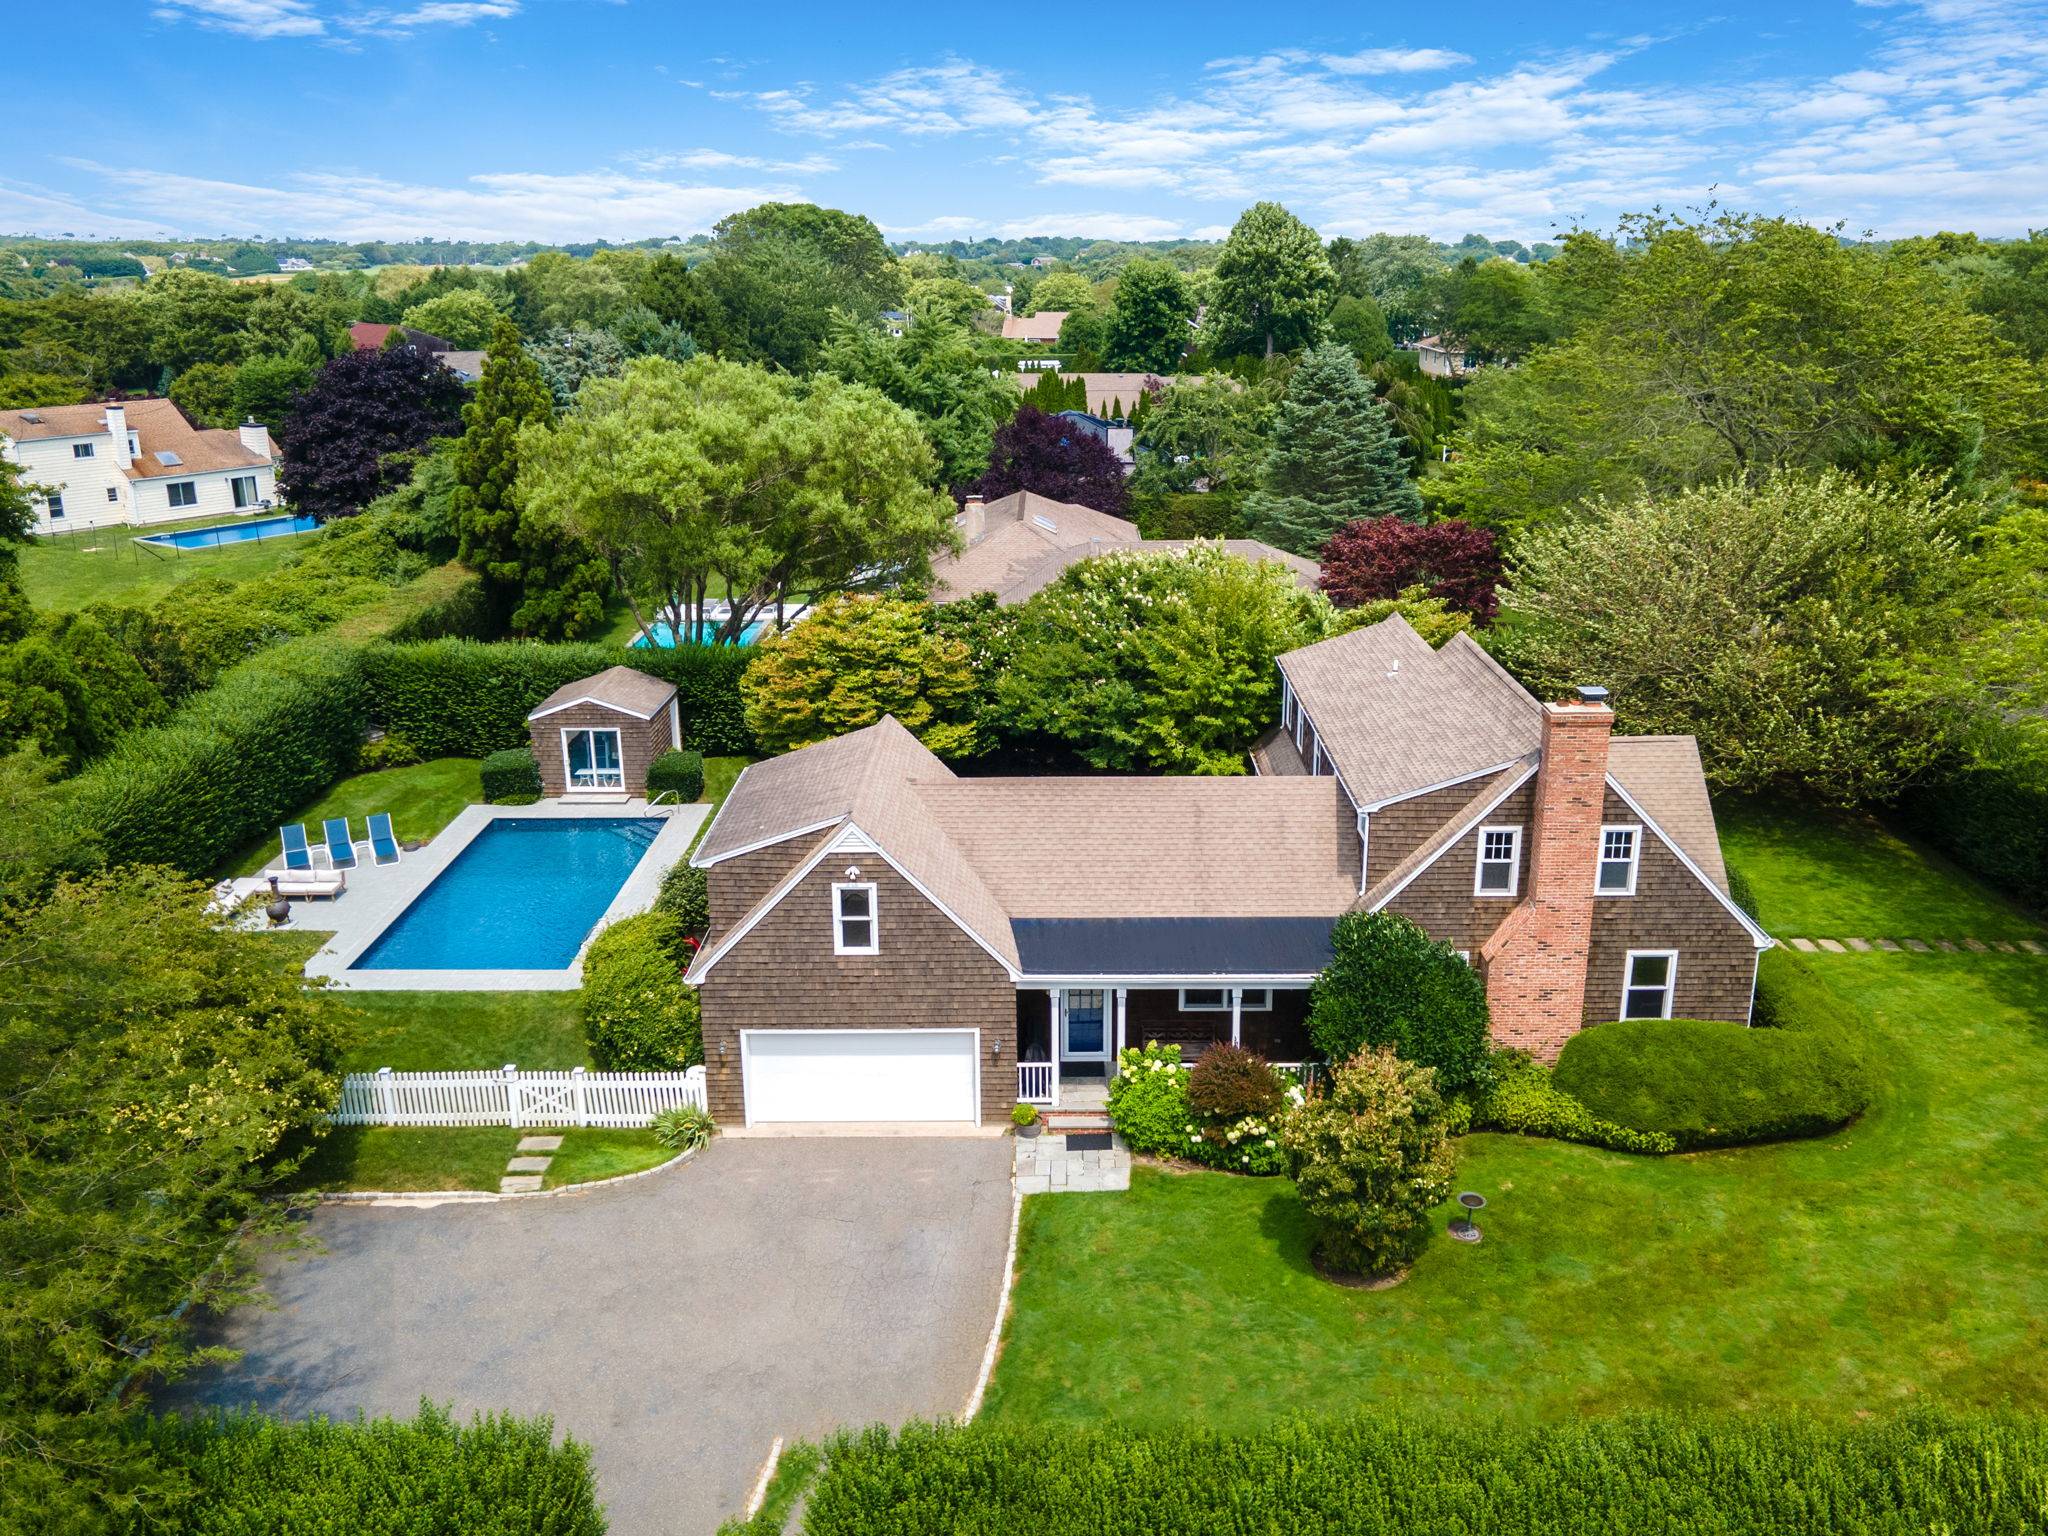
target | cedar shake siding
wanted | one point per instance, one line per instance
(640, 742)
(1671, 909)
(1440, 899)
(1395, 831)
(929, 975)
(737, 884)
(1279, 1034)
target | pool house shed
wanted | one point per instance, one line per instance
(597, 735)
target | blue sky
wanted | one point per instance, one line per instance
(576, 119)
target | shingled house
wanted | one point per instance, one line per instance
(892, 942)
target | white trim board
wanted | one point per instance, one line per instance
(1761, 939)
(615, 708)
(1457, 838)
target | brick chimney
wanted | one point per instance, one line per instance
(254, 438)
(117, 430)
(973, 519)
(1536, 960)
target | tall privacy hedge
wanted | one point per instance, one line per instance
(455, 698)
(495, 1476)
(229, 765)
(1992, 819)
(1385, 1475)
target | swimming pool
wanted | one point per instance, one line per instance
(707, 633)
(233, 533)
(523, 896)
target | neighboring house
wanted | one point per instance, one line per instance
(895, 321)
(1042, 327)
(595, 737)
(467, 366)
(136, 461)
(294, 264)
(465, 363)
(1118, 439)
(1441, 360)
(890, 942)
(1000, 300)
(1018, 544)
(1107, 390)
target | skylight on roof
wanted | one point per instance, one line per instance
(166, 456)
(1045, 522)
(32, 416)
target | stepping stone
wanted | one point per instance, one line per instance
(528, 1165)
(524, 1184)
(1887, 945)
(2005, 946)
(1807, 945)
(1861, 946)
(1832, 946)
(1975, 946)
(2032, 948)
(1918, 946)
(1945, 946)
(540, 1143)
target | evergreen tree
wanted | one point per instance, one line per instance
(550, 583)
(1335, 458)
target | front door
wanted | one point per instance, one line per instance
(1084, 1032)
(594, 761)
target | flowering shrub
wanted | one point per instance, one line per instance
(1250, 1145)
(1234, 1101)
(1148, 1100)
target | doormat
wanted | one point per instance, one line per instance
(1088, 1141)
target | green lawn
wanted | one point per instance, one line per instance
(105, 565)
(425, 1159)
(422, 800)
(1905, 1257)
(1830, 876)
(465, 1031)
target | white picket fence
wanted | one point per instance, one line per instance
(519, 1099)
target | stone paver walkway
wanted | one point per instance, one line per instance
(1045, 1166)
(1919, 946)
(524, 1174)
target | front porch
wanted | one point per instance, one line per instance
(1068, 1037)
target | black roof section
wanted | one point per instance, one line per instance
(1172, 946)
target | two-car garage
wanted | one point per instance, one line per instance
(855, 1075)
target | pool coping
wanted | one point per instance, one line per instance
(169, 540)
(336, 960)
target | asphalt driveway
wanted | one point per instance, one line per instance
(677, 1323)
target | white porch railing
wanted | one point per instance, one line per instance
(1038, 1082)
(628, 1100)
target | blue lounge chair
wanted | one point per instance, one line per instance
(296, 854)
(383, 846)
(341, 851)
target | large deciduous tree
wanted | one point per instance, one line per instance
(934, 370)
(1382, 557)
(1053, 457)
(781, 270)
(353, 433)
(464, 318)
(547, 581)
(1270, 287)
(1218, 425)
(1334, 458)
(686, 475)
(1151, 321)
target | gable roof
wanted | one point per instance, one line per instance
(158, 425)
(1489, 792)
(1105, 389)
(625, 689)
(1043, 326)
(1397, 717)
(1663, 776)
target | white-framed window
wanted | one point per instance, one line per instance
(1465, 955)
(81, 450)
(1648, 983)
(183, 493)
(113, 493)
(1257, 1000)
(854, 930)
(56, 505)
(1499, 871)
(1205, 999)
(244, 487)
(1621, 849)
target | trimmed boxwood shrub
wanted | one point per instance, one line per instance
(495, 1476)
(677, 771)
(511, 777)
(1709, 1083)
(230, 765)
(459, 698)
(1524, 1100)
(686, 893)
(638, 1016)
(1393, 1474)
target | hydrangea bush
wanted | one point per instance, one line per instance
(1149, 1106)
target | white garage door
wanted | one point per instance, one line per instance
(859, 1074)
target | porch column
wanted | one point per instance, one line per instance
(1236, 1015)
(1122, 1007)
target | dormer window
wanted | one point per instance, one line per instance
(1620, 852)
(1500, 862)
(853, 919)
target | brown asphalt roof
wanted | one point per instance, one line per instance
(625, 689)
(1396, 716)
(1662, 774)
(157, 424)
(1043, 326)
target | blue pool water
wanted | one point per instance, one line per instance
(707, 632)
(523, 896)
(233, 533)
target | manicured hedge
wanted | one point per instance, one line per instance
(680, 773)
(456, 698)
(1388, 1475)
(1525, 1101)
(228, 766)
(1709, 1083)
(637, 1014)
(1993, 819)
(496, 1476)
(511, 777)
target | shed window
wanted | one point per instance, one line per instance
(113, 493)
(853, 920)
(1651, 976)
(56, 506)
(1500, 861)
(1620, 848)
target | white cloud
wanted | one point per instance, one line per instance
(720, 160)
(264, 19)
(247, 18)
(434, 13)
(1393, 61)
(1086, 226)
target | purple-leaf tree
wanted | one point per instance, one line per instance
(1377, 557)
(1055, 457)
(350, 434)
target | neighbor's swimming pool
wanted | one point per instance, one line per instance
(707, 632)
(523, 896)
(233, 533)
